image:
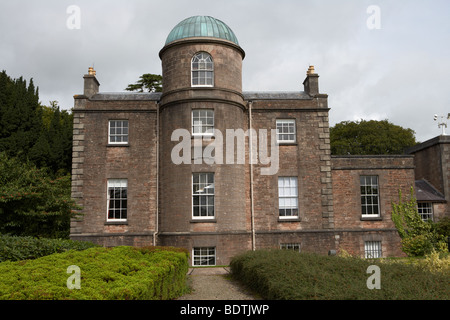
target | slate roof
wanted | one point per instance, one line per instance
(156, 96)
(426, 192)
(117, 96)
(275, 95)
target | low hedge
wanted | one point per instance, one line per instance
(289, 275)
(151, 273)
(14, 248)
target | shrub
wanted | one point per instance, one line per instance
(418, 237)
(288, 275)
(106, 274)
(434, 263)
(32, 203)
(14, 248)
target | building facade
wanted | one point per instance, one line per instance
(207, 166)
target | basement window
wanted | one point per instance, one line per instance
(204, 256)
(290, 246)
(372, 249)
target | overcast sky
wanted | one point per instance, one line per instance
(389, 63)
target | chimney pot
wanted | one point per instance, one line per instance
(310, 70)
(91, 71)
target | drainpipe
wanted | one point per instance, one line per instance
(157, 176)
(250, 103)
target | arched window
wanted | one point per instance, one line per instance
(202, 70)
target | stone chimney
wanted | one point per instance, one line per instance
(311, 83)
(91, 84)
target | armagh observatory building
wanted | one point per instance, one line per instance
(206, 166)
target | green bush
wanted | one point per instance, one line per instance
(106, 274)
(33, 202)
(289, 275)
(418, 237)
(14, 248)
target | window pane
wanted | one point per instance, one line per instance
(118, 131)
(203, 194)
(369, 195)
(117, 199)
(288, 196)
(372, 249)
(204, 256)
(202, 121)
(202, 61)
(285, 130)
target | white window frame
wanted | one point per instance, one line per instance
(202, 69)
(201, 194)
(204, 120)
(369, 193)
(425, 210)
(372, 249)
(204, 254)
(288, 196)
(287, 125)
(123, 133)
(117, 183)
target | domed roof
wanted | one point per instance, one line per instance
(201, 26)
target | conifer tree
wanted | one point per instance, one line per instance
(20, 116)
(31, 131)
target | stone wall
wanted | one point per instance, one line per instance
(95, 161)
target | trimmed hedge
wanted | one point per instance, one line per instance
(289, 275)
(130, 273)
(14, 248)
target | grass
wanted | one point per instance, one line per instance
(288, 275)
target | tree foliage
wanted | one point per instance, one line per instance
(31, 131)
(32, 202)
(418, 237)
(147, 83)
(20, 116)
(370, 138)
(35, 162)
(53, 148)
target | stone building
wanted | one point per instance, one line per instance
(217, 170)
(432, 172)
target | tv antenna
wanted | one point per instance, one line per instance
(442, 123)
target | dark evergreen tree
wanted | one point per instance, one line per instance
(148, 82)
(30, 131)
(20, 116)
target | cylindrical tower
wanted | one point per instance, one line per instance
(202, 198)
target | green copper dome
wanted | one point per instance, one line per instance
(201, 26)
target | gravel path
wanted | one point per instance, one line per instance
(214, 284)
